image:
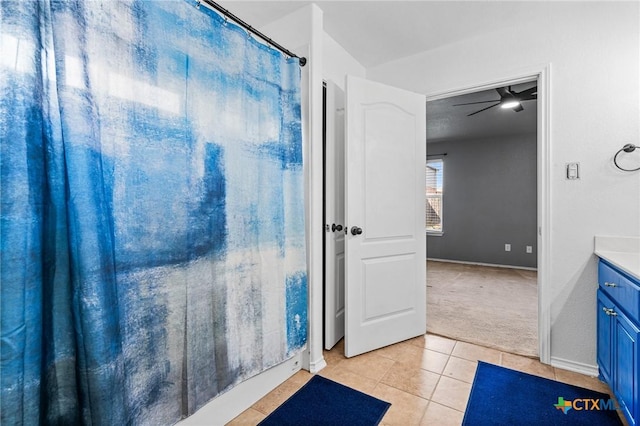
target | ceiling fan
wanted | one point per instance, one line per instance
(508, 99)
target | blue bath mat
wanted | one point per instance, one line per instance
(500, 396)
(324, 402)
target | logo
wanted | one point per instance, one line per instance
(585, 404)
(563, 405)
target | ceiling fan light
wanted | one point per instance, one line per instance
(510, 103)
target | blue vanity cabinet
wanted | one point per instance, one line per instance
(625, 370)
(618, 334)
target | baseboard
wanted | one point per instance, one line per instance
(526, 268)
(229, 405)
(317, 365)
(576, 367)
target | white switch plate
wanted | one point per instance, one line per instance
(529, 249)
(573, 171)
(507, 247)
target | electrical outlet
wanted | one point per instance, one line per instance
(529, 249)
(507, 247)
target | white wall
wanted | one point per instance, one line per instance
(594, 54)
(337, 62)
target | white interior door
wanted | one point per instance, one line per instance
(334, 217)
(385, 298)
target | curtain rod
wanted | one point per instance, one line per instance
(227, 14)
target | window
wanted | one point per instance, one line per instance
(434, 196)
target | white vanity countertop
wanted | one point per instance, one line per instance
(622, 252)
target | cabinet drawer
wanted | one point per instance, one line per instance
(620, 289)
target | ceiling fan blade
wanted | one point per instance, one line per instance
(532, 91)
(473, 103)
(518, 108)
(503, 91)
(484, 109)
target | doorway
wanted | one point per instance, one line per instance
(543, 192)
(482, 230)
(541, 76)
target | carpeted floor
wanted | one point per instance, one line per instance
(488, 306)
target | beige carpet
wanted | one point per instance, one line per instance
(489, 306)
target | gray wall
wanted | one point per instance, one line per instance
(489, 200)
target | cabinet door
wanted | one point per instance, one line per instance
(625, 368)
(604, 337)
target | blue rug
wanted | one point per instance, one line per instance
(500, 396)
(325, 402)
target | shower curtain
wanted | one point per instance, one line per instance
(152, 232)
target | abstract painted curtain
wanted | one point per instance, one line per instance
(153, 251)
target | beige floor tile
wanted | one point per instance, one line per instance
(332, 357)
(404, 352)
(301, 377)
(424, 358)
(439, 344)
(418, 341)
(336, 354)
(434, 361)
(476, 353)
(527, 365)
(414, 380)
(461, 369)
(452, 393)
(276, 397)
(349, 378)
(406, 409)
(248, 417)
(395, 351)
(368, 365)
(408, 374)
(440, 415)
(581, 380)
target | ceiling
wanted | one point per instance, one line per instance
(376, 32)
(448, 122)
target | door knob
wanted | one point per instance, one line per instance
(355, 230)
(335, 227)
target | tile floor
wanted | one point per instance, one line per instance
(426, 379)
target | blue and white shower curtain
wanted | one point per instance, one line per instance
(152, 233)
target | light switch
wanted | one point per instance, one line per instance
(573, 171)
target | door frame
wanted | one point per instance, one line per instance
(542, 74)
